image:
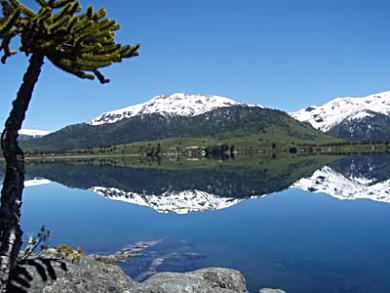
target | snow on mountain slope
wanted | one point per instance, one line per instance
(182, 202)
(329, 115)
(33, 132)
(175, 104)
(327, 180)
(361, 115)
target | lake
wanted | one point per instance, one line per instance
(302, 224)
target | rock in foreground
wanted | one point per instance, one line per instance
(53, 275)
(210, 280)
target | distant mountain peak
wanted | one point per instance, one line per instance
(331, 114)
(33, 132)
(177, 104)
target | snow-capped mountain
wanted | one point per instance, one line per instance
(182, 202)
(327, 180)
(29, 134)
(33, 132)
(176, 104)
(346, 109)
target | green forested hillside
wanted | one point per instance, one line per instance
(233, 122)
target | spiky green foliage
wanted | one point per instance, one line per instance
(78, 43)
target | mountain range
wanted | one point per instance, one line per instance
(177, 190)
(206, 189)
(181, 115)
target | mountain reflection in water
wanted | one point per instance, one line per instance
(182, 189)
(215, 213)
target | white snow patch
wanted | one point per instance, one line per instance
(33, 132)
(360, 115)
(36, 182)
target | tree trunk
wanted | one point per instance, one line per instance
(11, 193)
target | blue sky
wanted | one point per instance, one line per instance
(280, 53)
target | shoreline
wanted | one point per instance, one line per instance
(50, 273)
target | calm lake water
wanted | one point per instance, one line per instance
(314, 224)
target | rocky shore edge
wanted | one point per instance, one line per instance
(49, 273)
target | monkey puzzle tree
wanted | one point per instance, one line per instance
(78, 43)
